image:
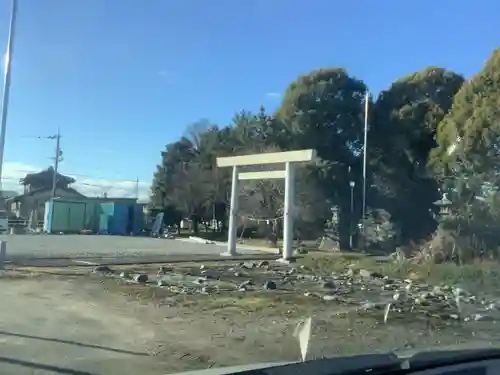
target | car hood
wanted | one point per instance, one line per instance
(233, 369)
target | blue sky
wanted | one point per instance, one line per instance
(121, 78)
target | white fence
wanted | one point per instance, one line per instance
(22, 226)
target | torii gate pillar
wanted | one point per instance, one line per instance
(289, 158)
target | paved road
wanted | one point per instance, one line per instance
(21, 247)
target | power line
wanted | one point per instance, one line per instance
(96, 179)
(37, 137)
(58, 159)
(100, 178)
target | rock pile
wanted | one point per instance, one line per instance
(361, 290)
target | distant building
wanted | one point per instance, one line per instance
(37, 190)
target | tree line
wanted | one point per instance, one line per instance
(430, 132)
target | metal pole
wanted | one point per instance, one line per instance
(137, 188)
(56, 163)
(352, 214)
(6, 84)
(351, 186)
(288, 212)
(365, 149)
(214, 222)
(233, 212)
(3, 254)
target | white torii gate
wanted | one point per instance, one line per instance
(289, 158)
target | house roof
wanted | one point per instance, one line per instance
(8, 193)
(111, 199)
(46, 176)
(42, 190)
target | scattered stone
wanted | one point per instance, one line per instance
(329, 285)
(302, 251)
(141, 278)
(368, 305)
(437, 291)
(482, 318)
(249, 265)
(420, 302)
(210, 275)
(329, 297)
(268, 284)
(492, 306)
(470, 299)
(365, 273)
(207, 289)
(245, 284)
(405, 296)
(163, 270)
(103, 269)
(162, 282)
(446, 288)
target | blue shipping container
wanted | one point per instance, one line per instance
(119, 220)
(137, 218)
(114, 218)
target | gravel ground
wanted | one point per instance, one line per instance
(80, 246)
(50, 326)
(104, 323)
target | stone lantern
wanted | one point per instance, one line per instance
(335, 214)
(444, 205)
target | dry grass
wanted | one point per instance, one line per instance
(477, 276)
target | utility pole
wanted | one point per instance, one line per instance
(6, 84)
(137, 187)
(57, 137)
(365, 149)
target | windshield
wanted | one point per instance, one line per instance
(203, 184)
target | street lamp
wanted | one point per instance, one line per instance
(351, 185)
